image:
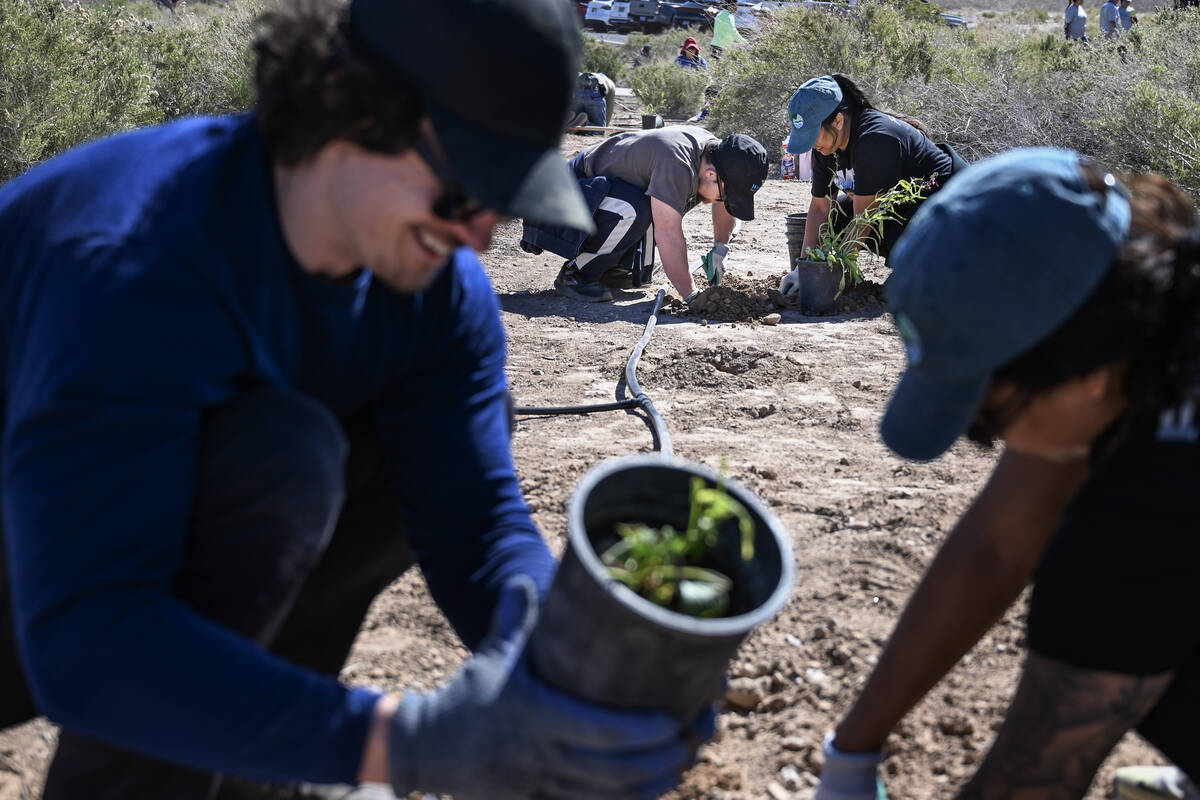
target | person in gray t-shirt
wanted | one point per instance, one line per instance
(676, 168)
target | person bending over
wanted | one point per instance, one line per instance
(858, 153)
(634, 179)
(1046, 305)
(253, 371)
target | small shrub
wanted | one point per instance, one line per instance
(669, 90)
(600, 56)
(71, 72)
(989, 15)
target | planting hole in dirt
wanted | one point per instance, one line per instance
(749, 299)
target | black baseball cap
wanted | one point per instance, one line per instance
(495, 78)
(741, 164)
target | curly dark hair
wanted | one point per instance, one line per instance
(316, 85)
(1145, 313)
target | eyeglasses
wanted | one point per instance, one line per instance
(455, 203)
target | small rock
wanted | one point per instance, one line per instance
(857, 384)
(536, 372)
(845, 462)
(790, 777)
(744, 694)
(793, 640)
(795, 744)
(767, 472)
(777, 792)
(955, 725)
(771, 319)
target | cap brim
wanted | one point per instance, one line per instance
(515, 178)
(802, 140)
(925, 417)
(740, 205)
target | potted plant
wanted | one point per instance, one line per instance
(668, 567)
(831, 266)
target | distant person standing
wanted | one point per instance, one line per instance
(1075, 22)
(725, 32)
(1128, 18)
(1110, 19)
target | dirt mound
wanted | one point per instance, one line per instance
(725, 367)
(740, 299)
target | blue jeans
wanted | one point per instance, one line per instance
(592, 103)
(293, 533)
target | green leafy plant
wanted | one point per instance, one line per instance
(666, 566)
(840, 249)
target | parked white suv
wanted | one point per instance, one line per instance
(598, 14)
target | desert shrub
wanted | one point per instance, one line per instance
(669, 90)
(68, 73)
(663, 46)
(600, 56)
(71, 72)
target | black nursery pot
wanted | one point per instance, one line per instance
(819, 286)
(599, 640)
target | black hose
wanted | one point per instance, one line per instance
(658, 428)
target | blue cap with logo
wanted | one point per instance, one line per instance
(988, 267)
(811, 105)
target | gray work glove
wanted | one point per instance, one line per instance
(497, 732)
(849, 776)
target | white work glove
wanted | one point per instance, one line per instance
(849, 776)
(790, 282)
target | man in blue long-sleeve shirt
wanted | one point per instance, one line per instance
(252, 370)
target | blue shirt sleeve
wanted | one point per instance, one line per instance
(110, 370)
(444, 426)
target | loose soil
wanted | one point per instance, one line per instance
(793, 409)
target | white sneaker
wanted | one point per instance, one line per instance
(1154, 783)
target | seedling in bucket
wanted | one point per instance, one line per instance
(667, 566)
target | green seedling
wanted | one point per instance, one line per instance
(840, 248)
(663, 565)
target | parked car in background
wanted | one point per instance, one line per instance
(597, 15)
(692, 16)
(618, 17)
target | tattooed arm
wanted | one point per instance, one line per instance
(1062, 723)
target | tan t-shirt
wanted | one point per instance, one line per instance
(666, 161)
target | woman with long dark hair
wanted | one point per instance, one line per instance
(858, 153)
(1046, 305)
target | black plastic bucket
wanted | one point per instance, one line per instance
(651, 121)
(819, 286)
(796, 224)
(599, 640)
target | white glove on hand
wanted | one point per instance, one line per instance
(790, 282)
(849, 776)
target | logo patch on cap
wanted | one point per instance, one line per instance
(912, 339)
(797, 121)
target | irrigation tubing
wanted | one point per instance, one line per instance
(640, 400)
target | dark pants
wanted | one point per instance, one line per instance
(293, 533)
(622, 220)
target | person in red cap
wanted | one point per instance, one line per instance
(689, 55)
(254, 370)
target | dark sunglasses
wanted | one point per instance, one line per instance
(455, 203)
